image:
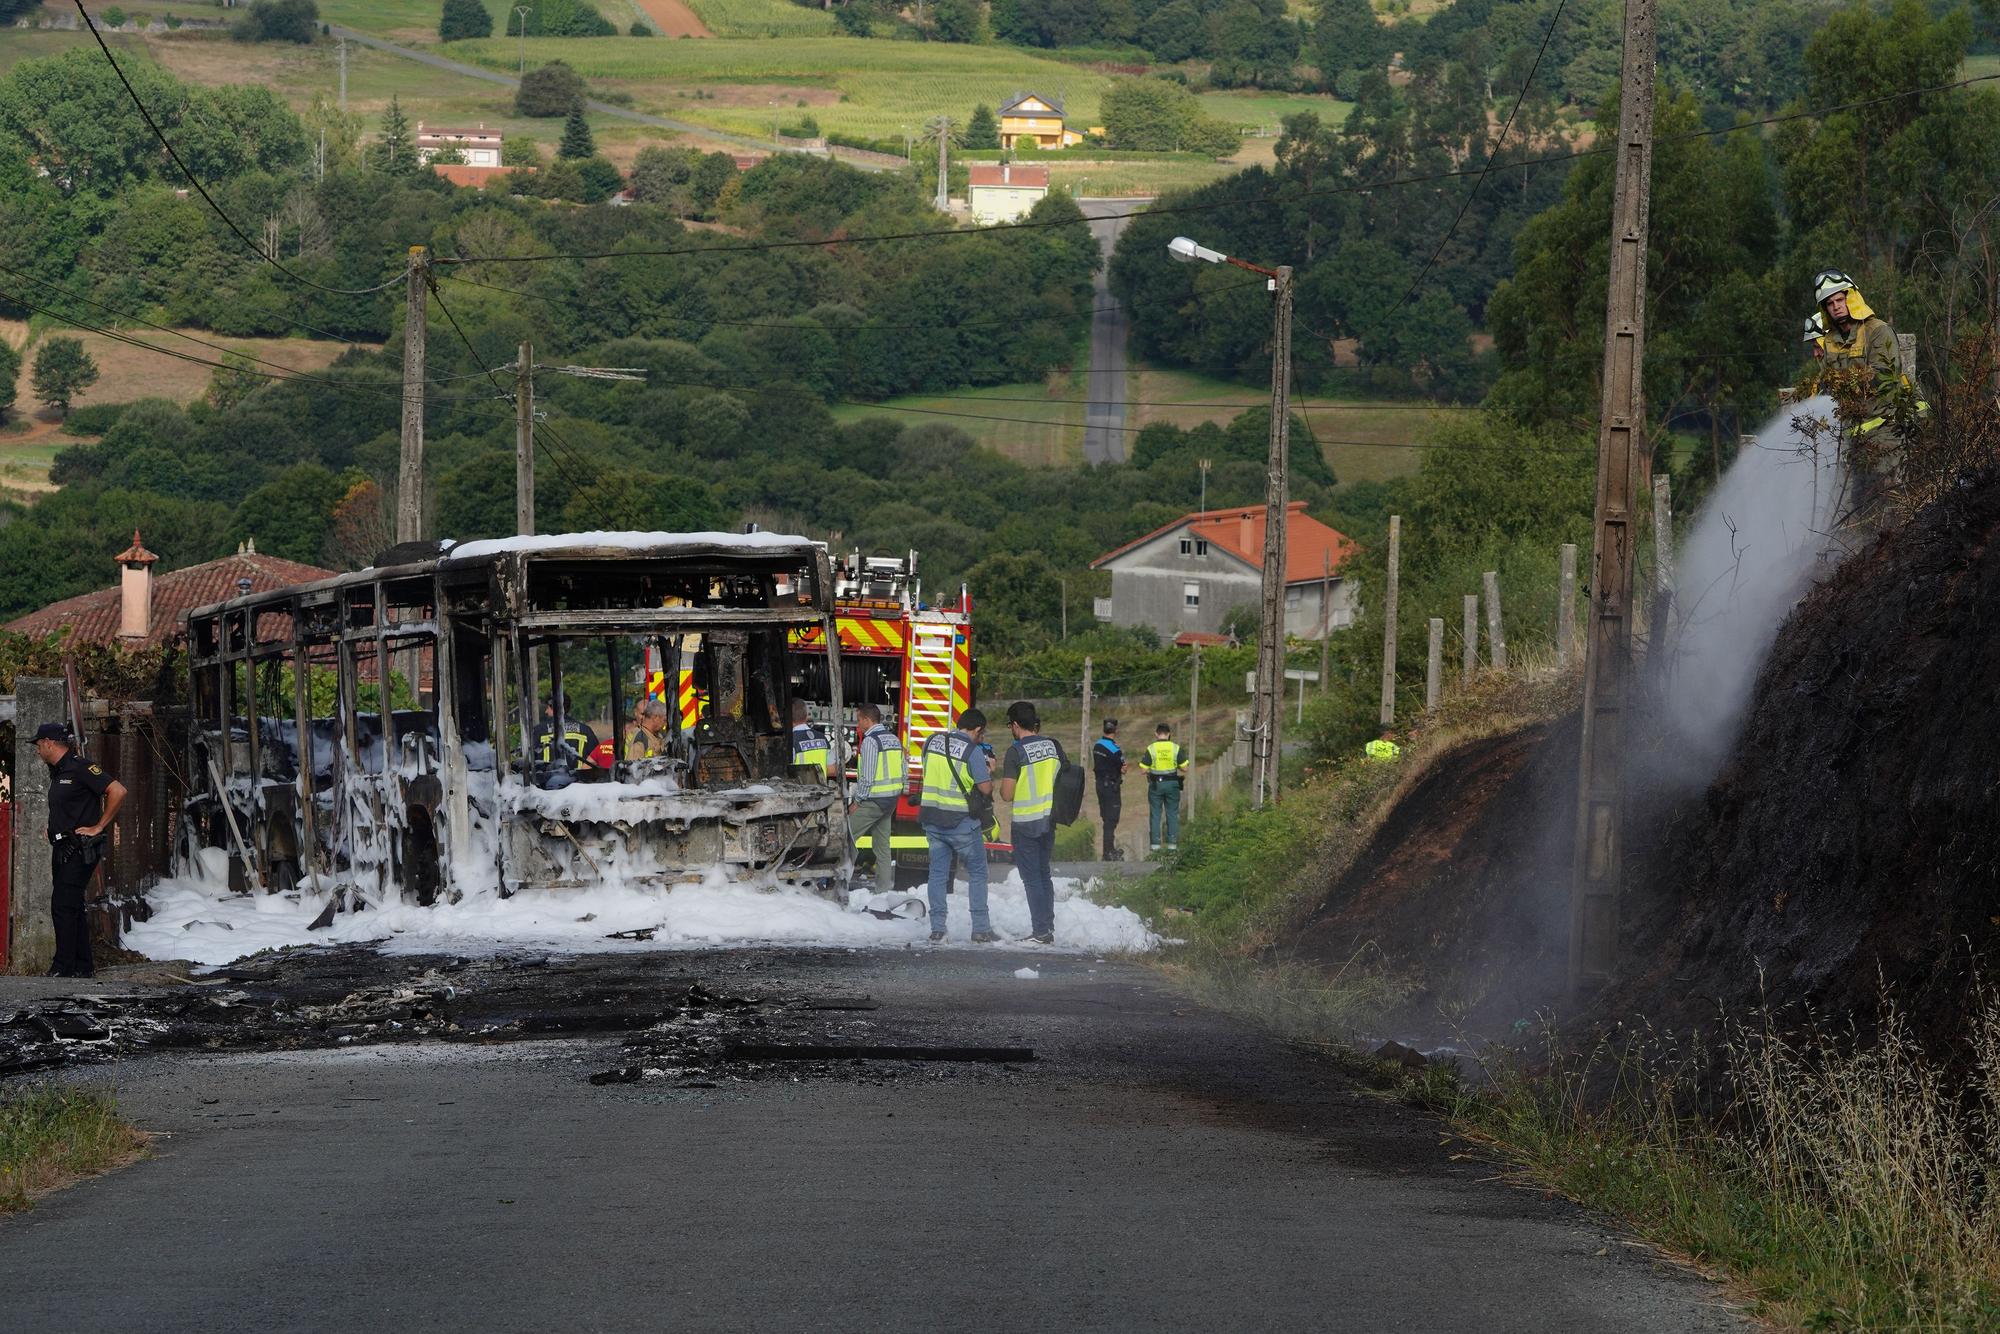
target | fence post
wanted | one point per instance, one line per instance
(1471, 639)
(1566, 608)
(1663, 534)
(1435, 667)
(1389, 622)
(1083, 745)
(37, 700)
(1496, 639)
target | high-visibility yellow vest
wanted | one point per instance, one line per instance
(947, 775)
(1035, 787)
(643, 745)
(573, 737)
(809, 747)
(887, 780)
(1163, 759)
(1383, 750)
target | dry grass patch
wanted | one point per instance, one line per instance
(52, 1136)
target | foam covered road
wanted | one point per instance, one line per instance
(1156, 1166)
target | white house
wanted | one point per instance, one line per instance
(1005, 192)
(480, 146)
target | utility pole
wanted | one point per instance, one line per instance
(340, 49)
(1471, 639)
(1325, 619)
(521, 17)
(1194, 705)
(1084, 744)
(1204, 464)
(1496, 637)
(941, 127)
(1266, 743)
(1663, 534)
(319, 159)
(410, 468)
(1063, 585)
(1599, 853)
(524, 442)
(1566, 605)
(1389, 621)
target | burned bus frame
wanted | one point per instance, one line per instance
(456, 794)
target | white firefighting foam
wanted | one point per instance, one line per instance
(202, 922)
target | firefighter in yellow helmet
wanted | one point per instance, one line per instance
(1859, 366)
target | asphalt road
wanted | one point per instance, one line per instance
(1104, 414)
(1156, 1167)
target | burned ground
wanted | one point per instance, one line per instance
(1850, 848)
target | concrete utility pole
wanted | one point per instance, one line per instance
(521, 13)
(1325, 619)
(1566, 605)
(1434, 666)
(1496, 638)
(410, 468)
(1593, 933)
(37, 700)
(1194, 706)
(524, 442)
(340, 49)
(1267, 741)
(1663, 534)
(1471, 639)
(1389, 620)
(941, 127)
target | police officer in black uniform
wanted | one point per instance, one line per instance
(82, 800)
(1109, 764)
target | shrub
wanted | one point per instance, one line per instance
(278, 21)
(464, 19)
(549, 90)
(114, 17)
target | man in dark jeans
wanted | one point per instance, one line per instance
(1109, 764)
(82, 800)
(1028, 780)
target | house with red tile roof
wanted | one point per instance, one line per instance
(144, 610)
(1184, 577)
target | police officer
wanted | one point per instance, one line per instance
(878, 782)
(1108, 764)
(810, 750)
(1166, 766)
(82, 801)
(1028, 780)
(957, 801)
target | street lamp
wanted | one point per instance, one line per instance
(1268, 708)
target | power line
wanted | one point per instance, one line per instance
(1492, 155)
(1429, 178)
(202, 190)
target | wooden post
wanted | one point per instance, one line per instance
(1434, 669)
(1496, 639)
(1194, 708)
(1266, 740)
(1083, 746)
(1566, 608)
(1471, 639)
(1389, 622)
(410, 463)
(1906, 356)
(1325, 619)
(524, 442)
(1663, 535)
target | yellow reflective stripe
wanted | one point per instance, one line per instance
(1035, 794)
(1873, 423)
(887, 780)
(895, 841)
(941, 777)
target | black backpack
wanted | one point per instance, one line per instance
(1068, 792)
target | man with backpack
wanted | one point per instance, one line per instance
(956, 806)
(1028, 780)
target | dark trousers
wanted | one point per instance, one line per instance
(1031, 857)
(1110, 802)
(72, 876)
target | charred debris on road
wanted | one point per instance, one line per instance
(745, 1018)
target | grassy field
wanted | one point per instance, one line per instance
(1362, 440)
(1046, 432)
(763, 18)
(851, 85)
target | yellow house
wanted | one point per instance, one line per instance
(1027, 116)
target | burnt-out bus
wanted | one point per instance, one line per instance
(427, 728)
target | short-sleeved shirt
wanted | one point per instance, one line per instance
(76, 793)
(1108, 761)
(1029, 750)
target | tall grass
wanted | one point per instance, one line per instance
(49, 1136)
(1847, 1184)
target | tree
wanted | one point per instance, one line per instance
(561, 18)
(278, 21)
(856, 18)
(291, 515)
(520, 151)
(1346, 36)
(62, 371)
(1175, 31)
(601, 179)
(576, 140)
(233, 381)
(983, 130)
(395, 152)
(10, 375)
(549, 90)
(463, 19)
(957, 21)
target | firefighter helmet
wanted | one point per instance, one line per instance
(1828, 282)
(1815, 328)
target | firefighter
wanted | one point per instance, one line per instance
(1383, 747)
(1858, 357)
(1166, 768)
(577, 741)
(1816, 336)
(1028, 780)
(82, 801)
(646, 734)
(957, 805)
(810, 751)
(1108, 764)
(878, 781)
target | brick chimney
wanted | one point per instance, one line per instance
(1246, 532)
(135, 590)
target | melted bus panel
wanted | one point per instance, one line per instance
(417, 729)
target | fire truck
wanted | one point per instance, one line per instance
(910, 659)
